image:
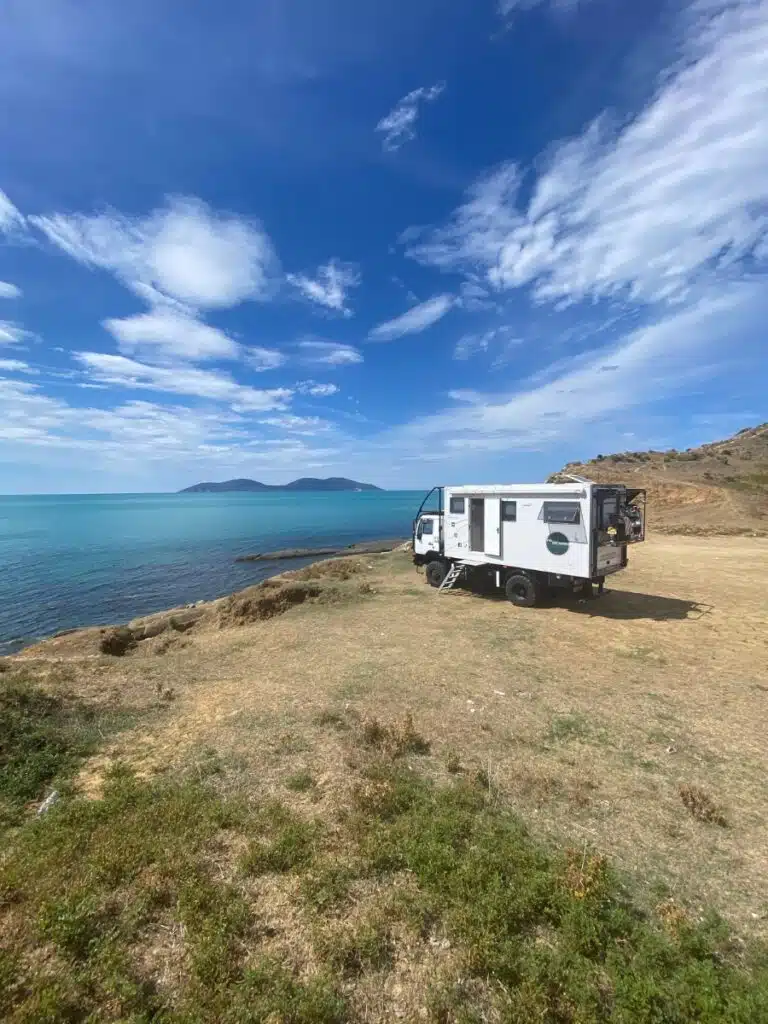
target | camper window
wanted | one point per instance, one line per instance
(562, 512)
(428, 526)
(457, 506)
(509, 511)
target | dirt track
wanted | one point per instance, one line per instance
(588, 717)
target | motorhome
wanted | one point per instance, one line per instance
(528, 539)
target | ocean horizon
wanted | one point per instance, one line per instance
(76, 560)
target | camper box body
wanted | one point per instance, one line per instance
(559, 534)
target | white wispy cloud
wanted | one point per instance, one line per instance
(399, 125)
(297, 424)
(151, 445)
(507, 8)
(417, 319)
(499, 339)
(9, 291)
(261, 359)
(11, 334)
(674, 199)
(316, 390)
(328, 353)
(167, 334)
(11, 219)
(330, 285)
(185, 250)
(475, 297)
(183, 380)
(685, 346)
(15, 366)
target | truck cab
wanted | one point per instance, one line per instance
(426, 537)
(428, 528)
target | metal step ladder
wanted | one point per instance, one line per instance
(454, 574)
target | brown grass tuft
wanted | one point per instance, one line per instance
(394, 739)
(340, 569)
(672, 916)
(584, 872)
(259, 603)
(701, 805)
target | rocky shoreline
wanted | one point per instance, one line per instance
(118, 640)
(370, 547)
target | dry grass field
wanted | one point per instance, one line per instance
(631, 727)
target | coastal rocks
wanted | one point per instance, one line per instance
(368, 547)
(178, 619)
(279, 556)
(119, 640)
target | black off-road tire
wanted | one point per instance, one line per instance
(521, 590)
(436, 572)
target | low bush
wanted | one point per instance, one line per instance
(701, 805)
(556, 932)
(126, 908)
(43, 739)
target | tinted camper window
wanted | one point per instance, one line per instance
(562, 512)
(509, 511)
(457, 506)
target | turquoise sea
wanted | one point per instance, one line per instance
(83, 560)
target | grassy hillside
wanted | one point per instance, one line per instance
(339, 797)
(717, 488)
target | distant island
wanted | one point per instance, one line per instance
(305, 483)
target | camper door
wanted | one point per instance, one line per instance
(485, 526)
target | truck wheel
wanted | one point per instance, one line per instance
(436, 572)
(521, 591)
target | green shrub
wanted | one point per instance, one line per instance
(546, 936)
(43, 739)
(287, 843)
(556, 931)
(300, 782)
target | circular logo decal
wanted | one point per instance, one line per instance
(557, 543)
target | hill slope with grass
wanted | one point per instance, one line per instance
(718, 488)
(339, 798)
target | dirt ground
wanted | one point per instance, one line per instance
(586, 717)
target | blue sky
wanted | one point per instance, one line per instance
(426, 241)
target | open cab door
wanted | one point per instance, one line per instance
(634, 511)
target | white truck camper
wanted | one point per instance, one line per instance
(528, 539)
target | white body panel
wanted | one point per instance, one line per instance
(527, 541)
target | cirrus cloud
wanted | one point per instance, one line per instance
(316, 390)
(11, 220)
(399, 125)
(9, 291)
(328, 353)
(181, 380)
(168, 334)
(675, 199)
(415, 320)
(330, 285)
(11, 334)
